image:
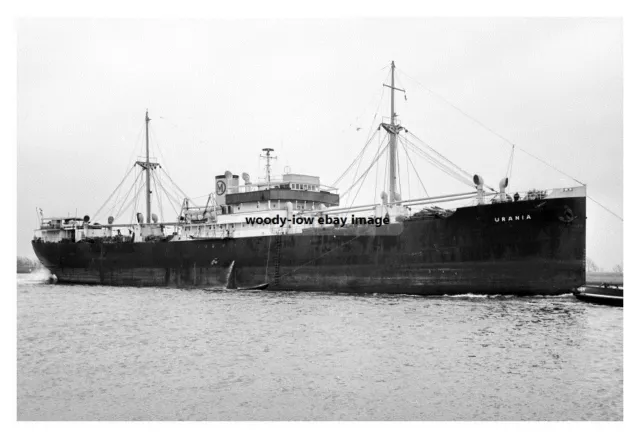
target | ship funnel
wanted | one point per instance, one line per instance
(154, 218)
(110, 220)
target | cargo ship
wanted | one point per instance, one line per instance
(290, 233)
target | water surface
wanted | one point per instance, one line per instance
(105, 353)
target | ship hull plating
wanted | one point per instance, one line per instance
(525, 247)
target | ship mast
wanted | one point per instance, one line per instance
(268, 157)
(393, 130)
(147, 169)
(148, 166)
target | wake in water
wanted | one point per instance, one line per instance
(38, 276)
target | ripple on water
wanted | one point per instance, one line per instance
(102, 353)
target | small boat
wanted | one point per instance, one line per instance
(609, 294)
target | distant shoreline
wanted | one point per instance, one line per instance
(605, 277)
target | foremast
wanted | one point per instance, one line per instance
(147, 165)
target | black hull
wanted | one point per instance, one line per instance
(481, 249)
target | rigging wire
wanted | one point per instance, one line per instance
(136, 198)
(372, 100)
(439, 165)
(398, 169)
(359, 156)
(124, 207)
(622, 220)
(133, 149)
(175, 185)
(456, 108)
(358, 159)
(369, 168)
(375, 115)
(162, 157)
(375, 189)
(355, 174)
(511, 170)
(386, 167)
(176, 197)
(508, 141)
(158, 197)
(406, 153)
(362, 183)
(454, 170)
(171, 197)
(157, 143)
(491, 130)
(510, 165)
(445, 159)
(551, 166)
(414, 168)
(164, 190)
(133, 199)
(127, 195)
(127, 172)
(112, 193)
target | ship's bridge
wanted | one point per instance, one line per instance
(305, 192)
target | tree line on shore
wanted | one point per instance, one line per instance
(592, 267)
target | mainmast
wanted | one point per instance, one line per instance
(147, 169)
(392, 129)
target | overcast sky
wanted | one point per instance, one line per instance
(218, 91)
